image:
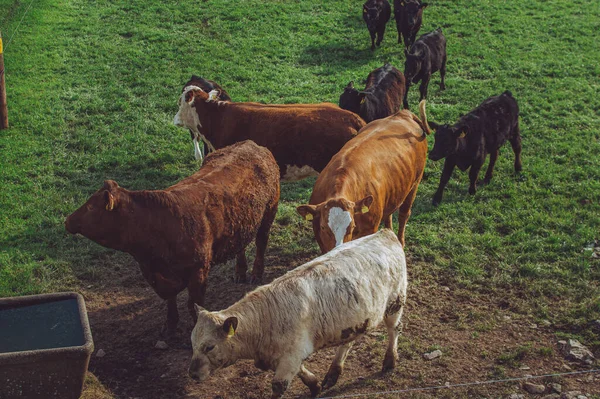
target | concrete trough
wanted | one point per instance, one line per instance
(45, 346)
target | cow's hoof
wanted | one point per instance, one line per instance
(472, 190)
(389, 363)
(169, 331)
(254, 279)
(315, 390)
(239, 279)
(436, 201)
(330, 379)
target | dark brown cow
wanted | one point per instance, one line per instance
(175, 234)
(302, 137)
(409, 17)
(374, 175)
(376, 14)
(381, 97)
(207, 86)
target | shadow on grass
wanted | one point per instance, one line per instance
(337, 55)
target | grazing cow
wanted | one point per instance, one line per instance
(330, 301)
(409, 17)
(376, 14)
(374, 175)
(302, 137)
(381, 97)
(425, 57)
(207, 86)
(483, 130)
(175, 234)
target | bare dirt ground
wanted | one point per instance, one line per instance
(481, 337)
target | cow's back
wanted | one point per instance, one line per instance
(386, 158)
(229, 195)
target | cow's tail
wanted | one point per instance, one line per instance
(423, 120)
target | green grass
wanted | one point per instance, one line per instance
(93, 86)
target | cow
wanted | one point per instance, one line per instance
(409, 17)
(329, 301)
(302, 137)
(381, 97)
(374, 175)
(207, 86)
(480, 132)
(175, 234)
(376, 14)
(425, 57)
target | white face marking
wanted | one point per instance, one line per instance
(188, 117)
(338, 222)
(213, 95)
(294, 173)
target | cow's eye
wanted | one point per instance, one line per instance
(209, 348)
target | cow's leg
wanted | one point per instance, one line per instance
(473, 174)
(336, 367)
(388, 222)
(197, 151)
(372, 40)
(241, 265)
(443, 73)
(197, 288)
(407, 42)
(262, 238)
(423, 87)
(404, 212)
(405, 100)
(380, 34)
(490, 170)
(515, 142)
(392, 322)
(310, 381)
(446, 174)
(399, 29)
(284, 373)
(170, 327)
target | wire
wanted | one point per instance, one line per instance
(466, 384)
(18, 25)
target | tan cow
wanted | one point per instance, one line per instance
(374, 175)
(327, 302)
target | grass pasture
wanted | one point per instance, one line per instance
(92, 91)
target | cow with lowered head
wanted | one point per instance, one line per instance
(409, 17)
(381, 97)
(177, 233)
(376, 14)
(207, 86)
(482, 131)
(374, 175)
(425, 57)
(330, 301)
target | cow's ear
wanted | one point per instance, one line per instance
(433, 125)
(110, 201)
(213, 95)
(406, 52)
(350, 85)
(230, 326)
(363, 96)
(462, 132)
(199, 309)
(365, 10)
(424, 5)
(363, 205)
(307, 211)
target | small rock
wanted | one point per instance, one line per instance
(574, 350)
(566, 366)
(562, 342)
(506, 318)
(516, 396)
(551, 396)
(163, 376)
(546, 323)
(447, 384)
(444, 288)
(433, 355)
(534, 388)
(524, 368)
(533, 326)
(100, 353)
(161, 345)
(556, 387)
(572, 395)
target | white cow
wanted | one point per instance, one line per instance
(327, 302)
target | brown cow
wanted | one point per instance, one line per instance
(374, 175)
(175, 234)
(302, 137)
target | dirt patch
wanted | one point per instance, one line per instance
(480, 338)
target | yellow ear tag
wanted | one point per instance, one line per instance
(402, 4)
(109, 207)
(363, 100)
(231, 331)
(364, 209)
(309, 216)
(462, 135)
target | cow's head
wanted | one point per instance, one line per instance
(334, 220)
(213, 344)
(412, 12)
(412, 65)
(187, 116)
(103, 218)
(351, 98)
(446, 140)
(371, 15)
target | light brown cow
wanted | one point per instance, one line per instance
(175, 234)
(329, 301)
(302, 137)
(374, 175)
